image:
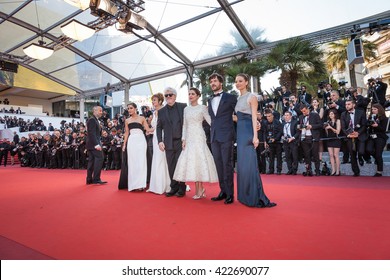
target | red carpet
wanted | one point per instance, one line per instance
(54, 214)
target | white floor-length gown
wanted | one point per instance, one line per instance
(136, 157)
(159, 176)
(196, 163)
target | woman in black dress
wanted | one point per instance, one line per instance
(332, 129)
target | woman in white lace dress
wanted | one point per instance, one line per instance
(195, 164)
(159, 175)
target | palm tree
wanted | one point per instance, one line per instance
(296, 58)
(337, 56)
(235, 66)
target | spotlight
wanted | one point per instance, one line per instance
(103, 7)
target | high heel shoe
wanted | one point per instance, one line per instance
(333, 174)
(196, 197)
(203, 194)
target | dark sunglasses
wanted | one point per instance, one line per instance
(169, 95)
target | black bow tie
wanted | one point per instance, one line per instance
(217, 94)
(351, 113)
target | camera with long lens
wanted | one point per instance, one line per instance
(342, 83)
(322, 84)
(372, 120)
(329, 102)
(277, 92)
(302, 126)
(349, 130)
(371, 83)
(284, 139)
(325, 124)
(270, 138)
(286, 101)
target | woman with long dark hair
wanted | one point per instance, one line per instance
(333, 129)
(249, 185)
(135, 141)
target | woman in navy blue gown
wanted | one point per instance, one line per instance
(249, 186)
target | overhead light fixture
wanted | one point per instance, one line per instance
(123, 18)
(99, 7)
(38, 51)
(77, 30)
(127, 21)
(81, 4)
(137, 21)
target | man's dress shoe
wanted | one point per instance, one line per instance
(169, 194)
(100, 182)
(221, 196)
(179, 194)
(229, 199)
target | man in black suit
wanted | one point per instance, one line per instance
(354, 126)
(334, 103)
(380, 89)
(273, 131)
(222, 134)
(304, 97)
(310, 125)
(94, 147)
(291, 136)
(170, 124)
(324, 93)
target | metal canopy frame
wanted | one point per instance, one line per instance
(252, 51)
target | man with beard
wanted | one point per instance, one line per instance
(222, 134)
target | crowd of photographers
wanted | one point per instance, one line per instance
(62, 147)
(331, 120)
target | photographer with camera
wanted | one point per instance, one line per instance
(377, 91)
(5, 147)
(310, 125)
(292, 106)
(290, 138)
(377, 125)
(281, 93)
(324, 90)
(303, 96)
(334, 102)
(344, 93)
(273, 131)
(260, 150)
(354, 126)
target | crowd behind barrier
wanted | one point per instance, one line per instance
(31, 109)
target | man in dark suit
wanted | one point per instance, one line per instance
(310, 125)
(380, 89)
(170, 124)
(222, 134)
(334, 103)
(304, 97)
(94, 147)
(324, 93)
(273, 130)
(354, 126)
(291, 136)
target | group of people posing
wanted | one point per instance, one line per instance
(180, 150)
